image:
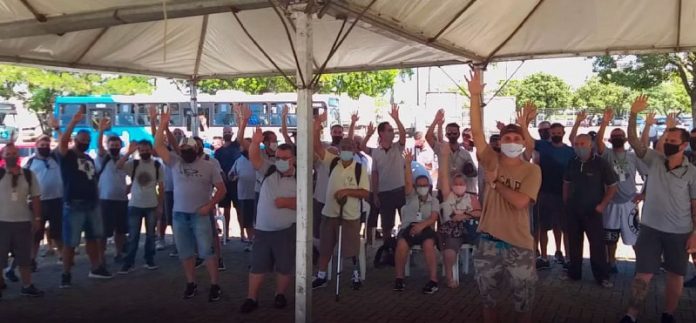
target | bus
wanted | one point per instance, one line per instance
(130, 118)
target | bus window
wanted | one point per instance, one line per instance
(277, 114)
(176, 119)
(67, 111)
(224, 115)
(125, 115)
(259, 114)
(333, 102)
(95, 116)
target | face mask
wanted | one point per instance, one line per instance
(692, 143)
(44, 152)
(617, 142)
(544, 134)
(81, 146)
(346, 155)
(512, 150)
(556, 139)
(422, 190)
(582, 152)
(388, 136)
(459, 189)
(227, 137)
(145, 156)
(335, 140)
(10, 161)
(671, 149)
(114, 151)
(273, 146)
(282, 165)
(188, 155)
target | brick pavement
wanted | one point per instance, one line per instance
(155, 296)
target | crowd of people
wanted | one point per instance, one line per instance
(499, 197)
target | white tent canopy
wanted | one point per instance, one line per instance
(203, 38)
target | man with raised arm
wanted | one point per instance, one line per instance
(388, 162)
(506, 243)
(667, 224)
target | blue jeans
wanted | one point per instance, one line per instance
(135, 216)
(193, 232)
(79, 216)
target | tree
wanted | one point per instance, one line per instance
(354, 84)
(595, 96)
(544, 90)
(645, 72)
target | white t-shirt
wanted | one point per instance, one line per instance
(144, 183)
(112, 181)
(48, 174)
(268, 216)
(246, 178)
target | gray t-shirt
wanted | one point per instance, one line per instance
(246, 178)
(268, 216)
(48, 174)
(390, 166)
(14, 200)
(144, 183)
(416, 210)
(668, 195)
(625, 165)
(193, 183)
(112, 181)
(457, 161)
(168, 181)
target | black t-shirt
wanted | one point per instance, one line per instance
(587, 182)
(226, 156)
(79, 176)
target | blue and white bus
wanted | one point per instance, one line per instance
(130, 118)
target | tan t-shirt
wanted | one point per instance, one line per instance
(500, 218)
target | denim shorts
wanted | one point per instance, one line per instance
(193, 234)
(81, 216)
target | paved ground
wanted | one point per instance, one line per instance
(155, 296)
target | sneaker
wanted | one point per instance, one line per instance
(248, 306)
(199, 262)
(319, 283)
(607, 284)
(150, 265)
(356, 284)
(32, 291)
(667, 318)
(65, 280)
(191, 290)
(118, 259)
(126, 269)
(100, 273)
(174, 253)
(280, 301)
(34, 266)
(691, 282)
(614, 270)
(215, 293)
(221, 265)
(542, 264)
(11, 276)
(399, 285)
(627, 319)
(247, 248)
(430, 288)
(558, 257)
(48, 252)
(159, 245)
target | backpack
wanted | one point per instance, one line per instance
(358, 169)
(103, 164)
(136, 162)
(385, 254)
(31, 160)
(27, 175)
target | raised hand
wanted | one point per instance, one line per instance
(408, 155)
(474, 82)
(257, 137)
(394, 113)
(639, 104)
(152, 111)
(580, 117)
(530, 111)
(499, 125)
(650, 119)
(284, 112)
(671, 121)
(164, 118)
(608, 116)
(354, 117)
(77, 117)
(370, 129)
(53, 122)
(132, 147)
(104, 123)
(322, 117)
(440, 117)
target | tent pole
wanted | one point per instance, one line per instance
(194, 106)
(305, 154)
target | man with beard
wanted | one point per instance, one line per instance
(145, 201)
(226, 156)
(80, 203)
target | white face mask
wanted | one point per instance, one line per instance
(512, 150)
(459, 189)
(422, 190)
(273, 146)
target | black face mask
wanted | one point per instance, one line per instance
(145, 156)
(227, 137)
(692, 143)
(335, 140)
(114, 151)
(671, 149)
(188, 155)
(544, 134)
(81, 147)
(453, 139)
(556, 139)
(44, 152)
(617, 142)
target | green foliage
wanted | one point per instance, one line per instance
(595, 96)
(544, 90)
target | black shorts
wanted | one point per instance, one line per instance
(548, 212)
(230, 195)
(247, 208)
(316, 220)
(427, 233)
(51, 211)
(654, 245)
(169, 207)
(274, 251)
(115, 217)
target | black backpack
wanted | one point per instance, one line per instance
(103, 164)
(27, 175)
(136, 162)
(358, 169)
(386, 254)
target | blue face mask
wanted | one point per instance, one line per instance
(583, 153)
(346, 155)
(282, 165)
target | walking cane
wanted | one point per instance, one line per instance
(341, 203)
